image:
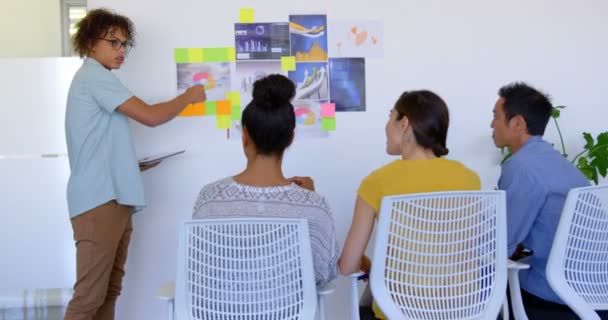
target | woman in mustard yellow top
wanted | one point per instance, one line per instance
(417, 130)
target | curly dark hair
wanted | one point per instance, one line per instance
(97, 24)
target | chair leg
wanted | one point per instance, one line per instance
(321, 303)
(519, 313)
(504, 312)
(171, 310)
(354, 299)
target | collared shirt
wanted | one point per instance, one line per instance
(536, 179)
(103, 164)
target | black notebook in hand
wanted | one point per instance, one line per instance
(159, 157)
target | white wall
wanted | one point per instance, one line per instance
(30, 28)
(36, 246)
(463, 50)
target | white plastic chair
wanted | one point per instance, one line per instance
(439, 255)
(250, 268)
(577, 268)
(515, 291)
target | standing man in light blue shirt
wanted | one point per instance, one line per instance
(536, 179)
(105, 185)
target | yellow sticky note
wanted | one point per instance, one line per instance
(246, 15)
(234, 97)
(223, 122)
(231, 54)
(195, 55)
(288, 63)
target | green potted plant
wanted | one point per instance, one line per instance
(593, 160)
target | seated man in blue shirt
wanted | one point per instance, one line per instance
(536, 179)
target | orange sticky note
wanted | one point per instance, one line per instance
(288, 63)
(197, 109)
(223, 108)
(246, 15)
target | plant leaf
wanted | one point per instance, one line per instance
(584, 167)
(555, 113)
(589, 140)
(602, 139)
(506, 157)
(601, 164)
(600, 150)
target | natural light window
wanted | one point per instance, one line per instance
(71, 12)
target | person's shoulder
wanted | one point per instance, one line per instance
(213, 191)
(220, 184)
(92, 71)
(519, 162)
(467, 173)
(386, 170)
(308, 197)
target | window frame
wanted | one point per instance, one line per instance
(66, 45)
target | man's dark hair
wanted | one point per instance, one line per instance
(96, 25)
(269, 118)
(534, 106)
(429, 117)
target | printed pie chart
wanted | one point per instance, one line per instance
(205, 79)
(304, 116)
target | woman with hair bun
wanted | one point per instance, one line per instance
(416, 130)
(261, 189)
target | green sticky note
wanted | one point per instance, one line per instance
(223, 122)
(210, 108)
(236, 112)
(328, 124)
(288, 63)
(195, 55)
(216, 54)
(180, 55)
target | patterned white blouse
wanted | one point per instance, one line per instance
(228, 199)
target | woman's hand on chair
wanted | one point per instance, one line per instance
(304, 182)
(366, 264)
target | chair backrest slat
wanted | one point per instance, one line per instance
(577, 268)
(251, 268)
(441, 255)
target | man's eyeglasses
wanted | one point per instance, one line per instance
(117, 44)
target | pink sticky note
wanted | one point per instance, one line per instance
(328, 110)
